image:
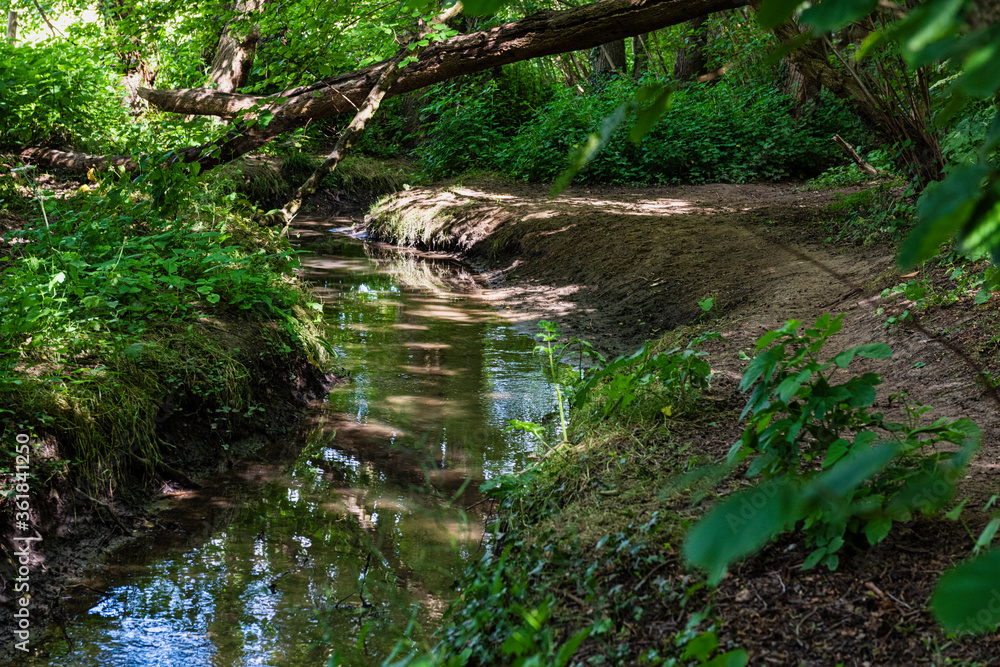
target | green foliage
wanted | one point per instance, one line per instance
(966, 204)
(467, 125)
(793, 402)
(816, 444)
(103, 315)
(967, 598)
(742, 145)
(875, 215)
(678, 373)
(93, 279)
(507, 612)
(49, 93)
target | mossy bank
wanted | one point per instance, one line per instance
(151, 335)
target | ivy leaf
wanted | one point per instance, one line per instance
(943, 209)
(773, 13)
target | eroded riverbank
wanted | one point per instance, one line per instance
(369, 521)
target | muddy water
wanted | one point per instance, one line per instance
(334, 553)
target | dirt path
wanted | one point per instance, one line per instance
(624, 264)
(618, 266)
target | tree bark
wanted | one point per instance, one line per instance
(895, 122)
(607, 59)
(12, 26)
(853, 154)
(691, 61)
(136, 73)
(640, 56)
(235, 53)
(541, 34)
(384, 84)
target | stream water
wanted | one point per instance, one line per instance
(363, 532)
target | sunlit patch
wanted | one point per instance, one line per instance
(422, 401)
(426, 346)
(431, 370)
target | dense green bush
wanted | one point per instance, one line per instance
(710, 133)
(469, 121)
(48, 93)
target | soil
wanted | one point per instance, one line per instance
(617, 266)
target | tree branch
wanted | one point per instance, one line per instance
(545, 33)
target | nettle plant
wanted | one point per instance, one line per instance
(679, 373)
(829, 464)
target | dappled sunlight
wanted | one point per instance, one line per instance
(430, 370)
(418, 345)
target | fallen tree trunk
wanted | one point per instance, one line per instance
(542, 34)
(390, 75)
(853, 154)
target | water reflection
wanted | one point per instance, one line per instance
(333, 554)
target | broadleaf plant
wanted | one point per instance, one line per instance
(829, 464)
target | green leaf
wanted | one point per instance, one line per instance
(567, 650)
(942, 210)
(742, 524)
(989, 532)
(967, 597)
(773, 13)
(701, 647)
(878, 529)
(853, 470)
(836, 451)
(737, 658)
(646, 119)
(763, 365)
(981, 76)
(134, 350)
(813, 559)
(829, 15)
(482, 7)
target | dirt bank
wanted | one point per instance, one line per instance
(617, 266)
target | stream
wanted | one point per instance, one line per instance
(359, 535)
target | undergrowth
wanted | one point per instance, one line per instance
(128, 301)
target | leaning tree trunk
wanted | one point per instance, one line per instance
(237, 47)
(901, 120)
(382, 86)
(542, 34)
(691, 61)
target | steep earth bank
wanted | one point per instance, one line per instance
(617, 266)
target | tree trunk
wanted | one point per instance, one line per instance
(235, 53)
(541, 34)
(12, 26)
(607, 59)
(799, 87)
(136, 73)
(897, 120)
(640, 57)
(691, 61)
(382, 86)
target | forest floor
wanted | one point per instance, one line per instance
(617, 266)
